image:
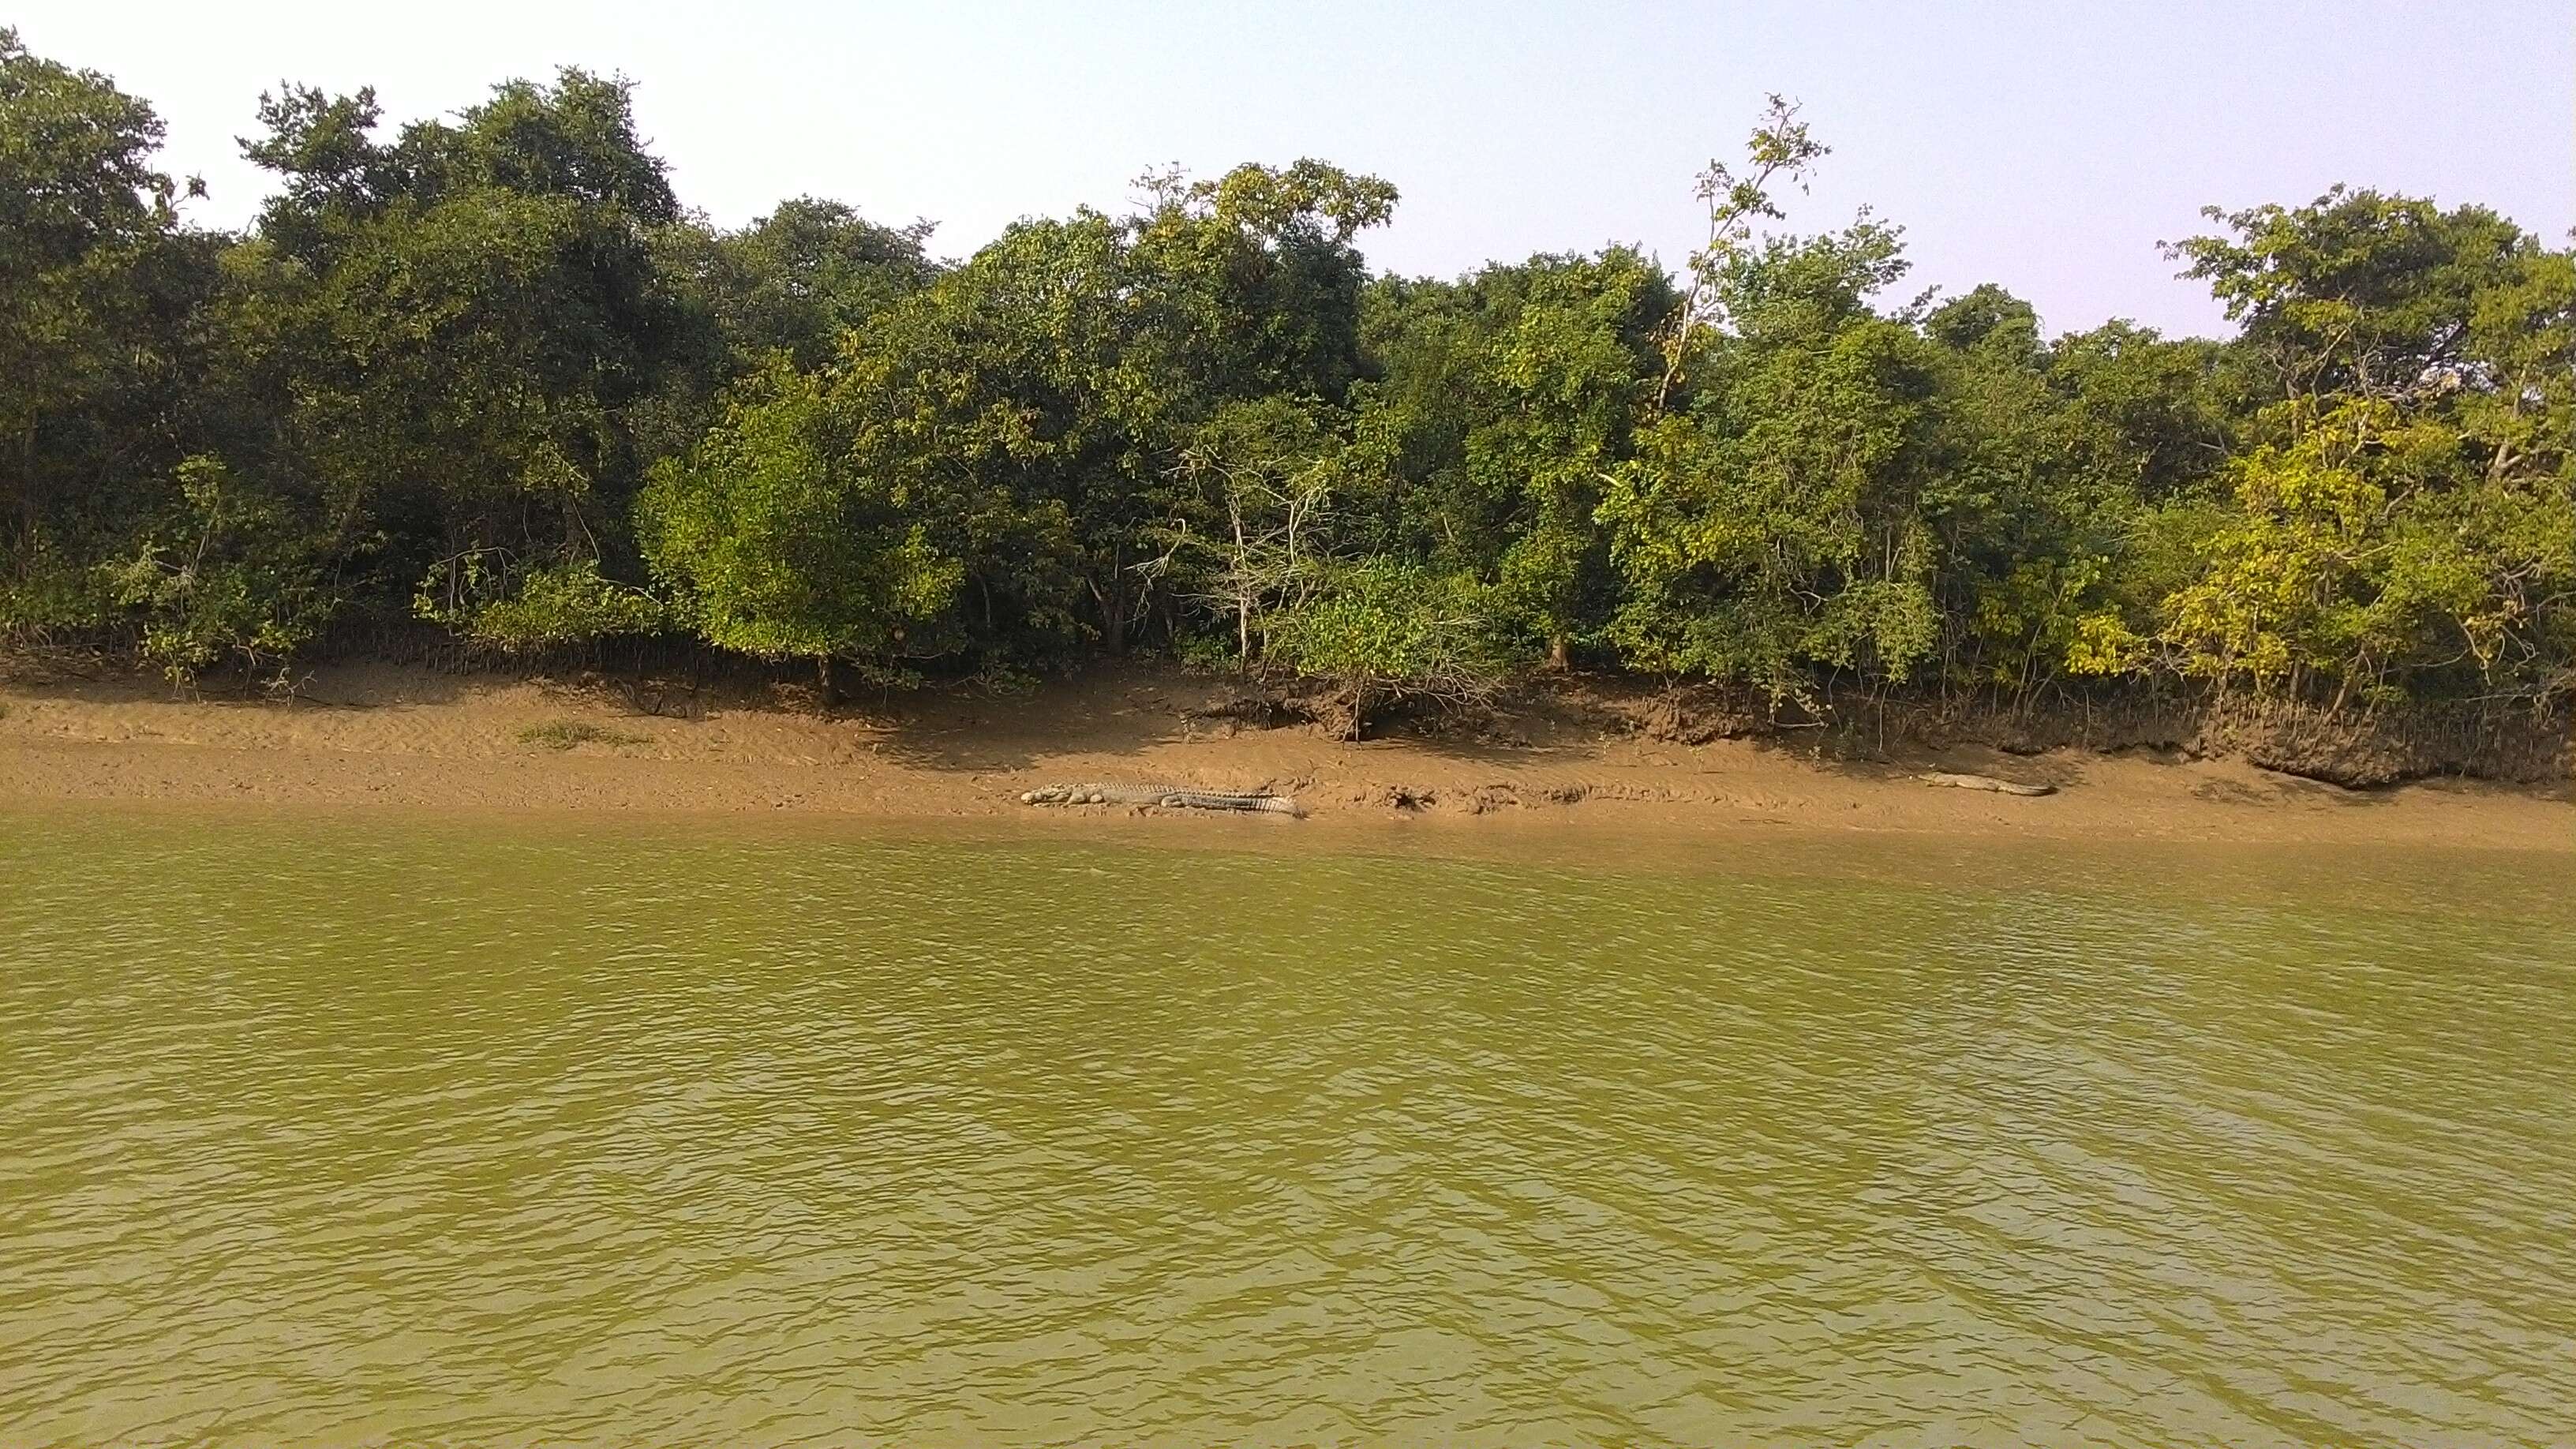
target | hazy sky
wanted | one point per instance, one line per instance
(2045, 146)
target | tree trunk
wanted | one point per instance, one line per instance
(1113, 622)
(1355, 728)
(1113, 605)
(1242, 589)
(30, 507)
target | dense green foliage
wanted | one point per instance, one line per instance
(488, 373)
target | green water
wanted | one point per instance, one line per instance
(341, 1133)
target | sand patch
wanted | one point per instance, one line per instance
(423, 739)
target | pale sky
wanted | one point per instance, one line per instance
(2048, 147)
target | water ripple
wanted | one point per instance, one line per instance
(326, 1134)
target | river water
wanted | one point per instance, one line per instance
(333, 1131)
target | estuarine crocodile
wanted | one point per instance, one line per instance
(1989, 782)
(1170, 797)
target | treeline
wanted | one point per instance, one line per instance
(488, 372)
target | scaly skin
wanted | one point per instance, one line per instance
(1170, 797)
(1989, 782)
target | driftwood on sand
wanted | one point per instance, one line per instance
(1988, 782)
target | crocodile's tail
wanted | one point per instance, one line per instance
(1220, 800)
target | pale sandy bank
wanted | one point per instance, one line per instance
(421, 739)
